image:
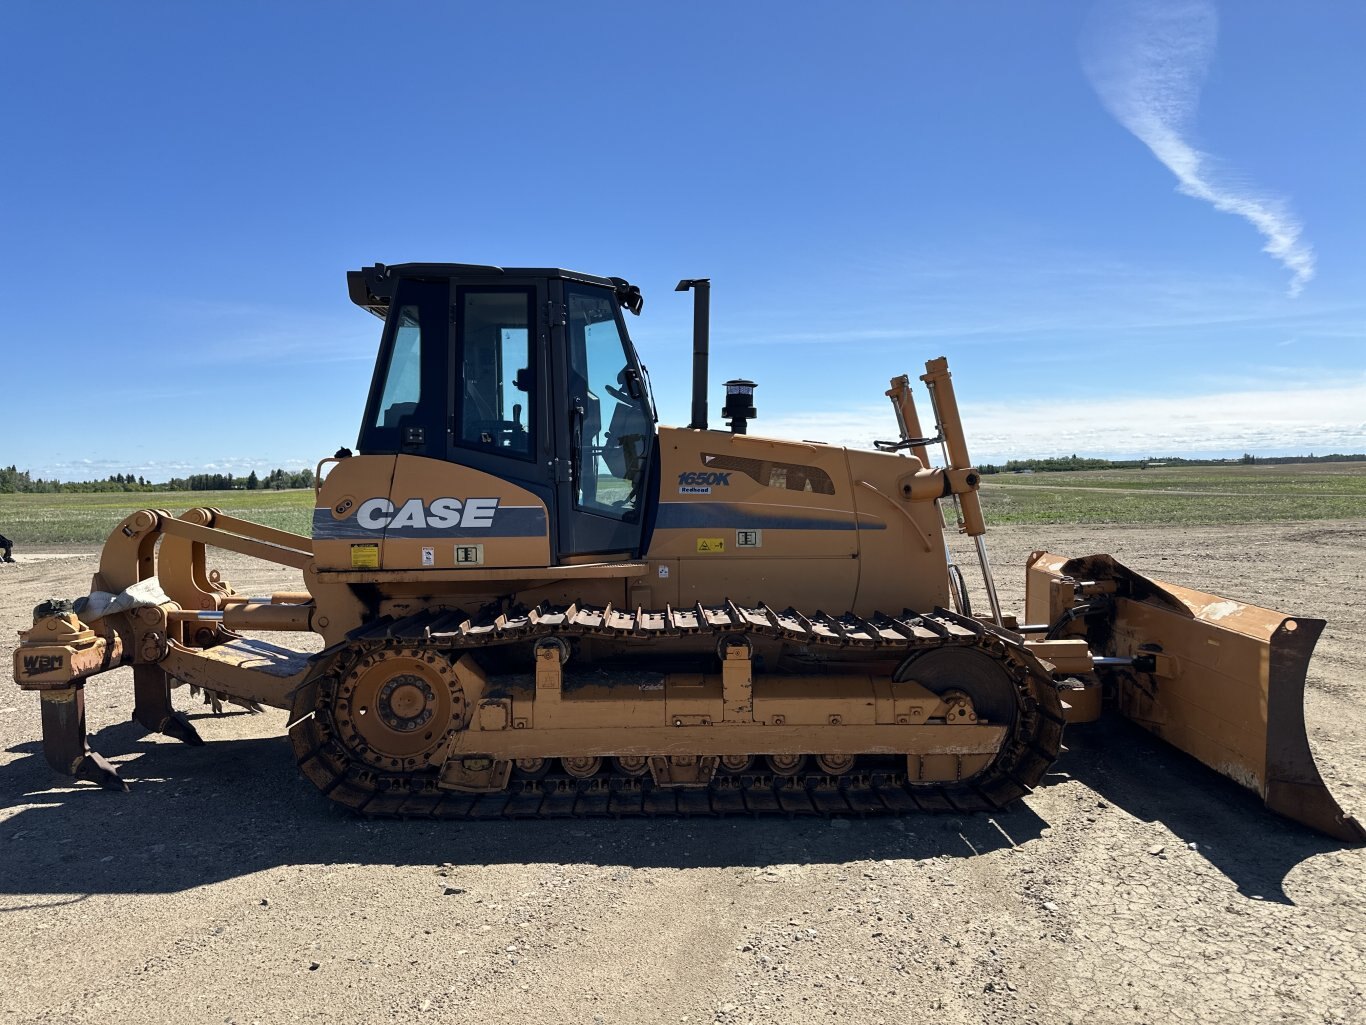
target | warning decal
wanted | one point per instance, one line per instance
(711, 544)
(365, 556)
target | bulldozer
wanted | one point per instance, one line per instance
(533, 600)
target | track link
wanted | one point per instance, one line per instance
(874, 787)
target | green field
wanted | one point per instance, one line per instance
(1179, 495)
(64, 518)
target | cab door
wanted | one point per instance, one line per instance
(499, 382)
(604, 430)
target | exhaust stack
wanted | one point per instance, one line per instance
(701, 341)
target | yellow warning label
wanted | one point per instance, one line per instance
(711, 544)
(365, 556)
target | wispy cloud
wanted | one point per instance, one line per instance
(1146, 60)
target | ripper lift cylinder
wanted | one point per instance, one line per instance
(940, 384)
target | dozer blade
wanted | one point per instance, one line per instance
(1220, 679)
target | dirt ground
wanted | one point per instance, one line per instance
(1134, 886)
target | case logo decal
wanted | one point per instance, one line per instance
(379, 513)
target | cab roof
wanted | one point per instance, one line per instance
(371, 288)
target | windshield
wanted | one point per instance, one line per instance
(403, 376)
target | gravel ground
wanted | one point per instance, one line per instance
(1134, 886)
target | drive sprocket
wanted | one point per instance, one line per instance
(396, 710)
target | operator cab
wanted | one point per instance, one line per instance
(527, 374)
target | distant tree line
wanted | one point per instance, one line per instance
(1073, 462)
(16, 481)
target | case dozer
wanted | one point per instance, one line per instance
(534, 600)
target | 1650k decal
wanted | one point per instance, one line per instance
(698, 477)
(695, 482)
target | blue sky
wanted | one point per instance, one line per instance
(1071, 201)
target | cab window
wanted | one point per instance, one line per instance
(403, 376)
(495, 377)
(612, 426)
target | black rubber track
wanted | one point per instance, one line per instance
(1020, 765)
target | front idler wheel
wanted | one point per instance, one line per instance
(969, 681)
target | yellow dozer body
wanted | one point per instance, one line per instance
(532, 600)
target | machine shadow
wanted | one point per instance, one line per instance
(231, 808)
(1129, 768)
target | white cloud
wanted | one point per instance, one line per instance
(1146, 60)
(1288, 421)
